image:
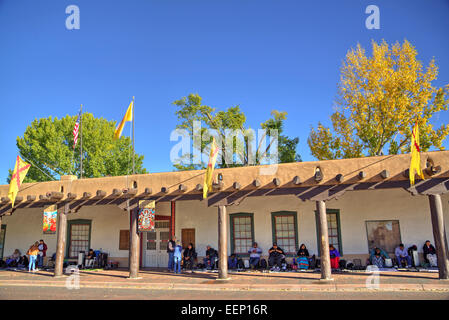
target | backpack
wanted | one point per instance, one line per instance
(263, 263)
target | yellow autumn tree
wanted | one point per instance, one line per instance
(379, 99)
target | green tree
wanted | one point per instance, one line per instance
(48, 144)
(379, 100)
(191, 109)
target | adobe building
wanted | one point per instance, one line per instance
(358, 203)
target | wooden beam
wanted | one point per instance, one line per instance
(148, 191)
(222, 243)
(385, 174)
(134, 246)
(362, 175)
(182, 188)
(71, 196)
(439, 235)
(31, 198)
(297, 180)
(61, 239)
(340, 178)
(276, 182)
(19, 199)
(256, 183)
(130, 192)
(236, 186)
(87, 195)
(117, 192)
(5, 200)
(218, 186)
(325, 265)
(55, 196)
(101, 193)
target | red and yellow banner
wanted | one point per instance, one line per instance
(20, 171)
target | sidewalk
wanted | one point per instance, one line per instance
(242, 281)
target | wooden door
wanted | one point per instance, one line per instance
(187, 236)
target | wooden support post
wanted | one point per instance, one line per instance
(222, 243)
(134, 246)
(324, 241)
(439, 235)
(61, 239)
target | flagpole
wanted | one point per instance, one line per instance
(133, 141)
(81, 141)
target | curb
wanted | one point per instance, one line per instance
(237, 287)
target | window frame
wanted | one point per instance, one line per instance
(317, 223)
(294, 214)
(69, 235)
(231, 229)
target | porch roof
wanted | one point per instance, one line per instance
(299, 179)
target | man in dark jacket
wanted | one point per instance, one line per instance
(428, 248)
(189, 256)
(277, 254)
(211, 257)
(171, 251)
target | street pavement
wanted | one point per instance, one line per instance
(157, 284)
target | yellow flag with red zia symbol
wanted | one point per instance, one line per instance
(128, 117)
(415, 163)
(210, 168)
(19, 173)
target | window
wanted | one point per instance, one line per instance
(124, 240)
(285, 231)
(333, 229)
(242, 232)
(78, 237)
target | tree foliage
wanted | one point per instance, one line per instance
(379, 99)
(48, 144)
(190, 109)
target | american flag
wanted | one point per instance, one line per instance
(76, 131)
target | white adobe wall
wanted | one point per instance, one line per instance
(355, 208)
(25, 225)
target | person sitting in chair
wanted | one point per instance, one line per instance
(232, 262)
(430, 254)
(211, 257)
(402, 256)
(276, 256)
(335, 257)
(377, 258)
(303, 257)
(90, 258)
(13, 260)
(254, 256)
(189, 256)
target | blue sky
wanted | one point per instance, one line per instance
(259, 54)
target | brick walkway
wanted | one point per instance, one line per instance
(252, 281)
